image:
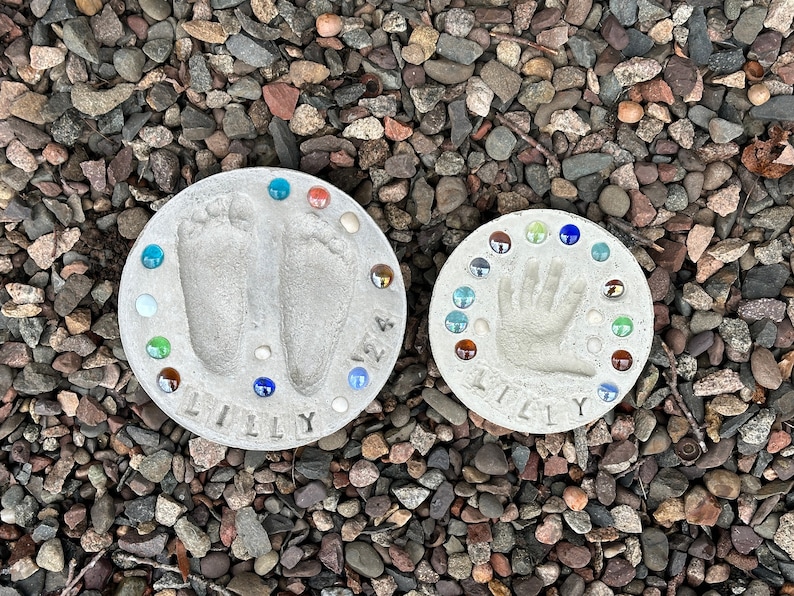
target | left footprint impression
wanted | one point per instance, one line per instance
(213, 248)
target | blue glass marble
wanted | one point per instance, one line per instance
(456, 321)
(569, 234)
(278, 189)
(600, 252)
(152, 256)
(463, 297)
(479, 267)
(608, 392)
(358, 378)
(264, 387)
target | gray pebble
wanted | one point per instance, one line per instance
(500, 143)
(363, 559)
(79, 38)
(700, 46)
(462, 51)
(614, 201)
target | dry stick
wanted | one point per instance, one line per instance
(174, 569)
(629, 229)
(523, 42)
(69, 587)
(672, 381)
(552, 163)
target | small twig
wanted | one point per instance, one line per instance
(69, 588)
(632, 468)
(552, 163)
(629, 229)
(672, 381)
(174, 569)
(523, 42)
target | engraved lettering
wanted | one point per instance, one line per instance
(370, 349)
(249, 427)
(502, 395)
(222, 416)
(523, 413)
(580, 404)
(275, 429)
(477, 382)
(308, 420)
(191, 408)
(384, 321)
(548, 416)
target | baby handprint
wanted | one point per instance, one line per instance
(533, 328)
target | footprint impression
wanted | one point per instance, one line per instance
(214, 245)
(316, 289)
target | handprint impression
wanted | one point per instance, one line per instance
(532, 329)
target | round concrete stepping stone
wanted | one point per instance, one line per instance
(541, 321)
(262, 308)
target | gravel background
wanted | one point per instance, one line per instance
(657, 119)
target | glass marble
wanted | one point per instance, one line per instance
(278, 189)
(600, 252)
(621, 360)
(465, 349)
(381, 276)
(456, 321)
(614, 288)
(340, 405)
(264, 387)
(168, 380)
(158, 347)
(594, 345)
(482, 327)
(463, 297)
(500, 242)
(146, 305)
(569, 234)
(152, 256)
(594, 317)
(622, 326)
(479, 267)
(318, 197)
(262, 353)
(350, 223)
(537, 232)
(358, 378)
(608, 392)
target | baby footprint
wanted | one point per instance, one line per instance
(213, 271)
(317, 277)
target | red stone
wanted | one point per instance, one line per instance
(396, 130)
(573, 556)
(400, 559)
(281, 99)
(673, 256)
(778, 440)
(501, 565)
(555, 466)
(656, 91)
(641, 212)
(479, 533)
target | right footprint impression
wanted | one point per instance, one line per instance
(214, 245)
(316, 289)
